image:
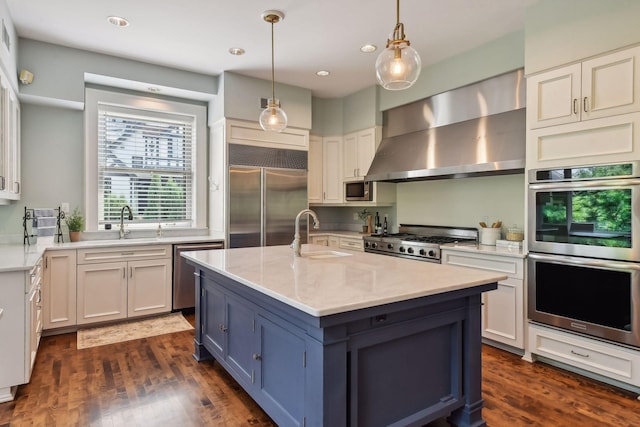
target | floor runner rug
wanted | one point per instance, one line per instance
(103, 335)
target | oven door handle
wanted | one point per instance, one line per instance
(587, 262)
(565, 186)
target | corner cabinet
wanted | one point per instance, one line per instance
(600, 87)
(503, 317)
(117, 283)
(20, 327)
(9, 143)
(359, 148)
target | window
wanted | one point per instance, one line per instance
(148, 154)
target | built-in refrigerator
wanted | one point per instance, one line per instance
(265, 199)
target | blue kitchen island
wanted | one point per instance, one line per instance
(344, 338)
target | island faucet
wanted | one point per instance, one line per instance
(296, 238)
(123, 233)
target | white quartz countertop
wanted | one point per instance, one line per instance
(21, 257)
(323, 286)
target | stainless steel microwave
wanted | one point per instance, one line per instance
(358, 191)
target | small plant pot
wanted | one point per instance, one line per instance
(74, 236)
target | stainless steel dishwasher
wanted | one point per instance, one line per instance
(184, 287)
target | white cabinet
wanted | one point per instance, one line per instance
(250, 133)
(600, 87)
(9, 143)
(322, 240)
(116, 283)
(599, 357)
(20, 327)
(333, 242)
(503, 308)
(315, 186)
(351, 243)
(59, 289)
(332, 186)
(359, 148)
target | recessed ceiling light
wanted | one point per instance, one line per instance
(118, 21)
(236, 51)
(368, 48)
(322, 73)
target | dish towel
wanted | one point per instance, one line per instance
(45, 221)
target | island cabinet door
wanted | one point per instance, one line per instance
(214, 320)
(280, 373)
(240, 350)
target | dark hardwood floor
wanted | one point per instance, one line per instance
(156, 382)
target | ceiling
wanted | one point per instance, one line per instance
(196, 35)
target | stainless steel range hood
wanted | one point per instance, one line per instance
(471, 131)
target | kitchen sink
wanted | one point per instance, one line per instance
(324, 254)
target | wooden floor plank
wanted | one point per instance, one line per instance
(156, 382)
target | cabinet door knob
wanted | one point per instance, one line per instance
(256, 356)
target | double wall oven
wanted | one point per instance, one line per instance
(584, 250)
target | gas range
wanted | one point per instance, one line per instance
(421, 242)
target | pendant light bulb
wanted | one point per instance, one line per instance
(399, 65)
(273, 118)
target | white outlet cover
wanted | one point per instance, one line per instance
(64, 206)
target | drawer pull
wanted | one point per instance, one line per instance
(579, 354)
(127, 253)
(1, 311)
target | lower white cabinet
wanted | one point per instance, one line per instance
(503, 308)
(338, 241)
(117, 283)
(609, 360)
(59, 289)
(20, 327)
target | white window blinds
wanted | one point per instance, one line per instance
(145, 160)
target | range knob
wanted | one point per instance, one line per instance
(374, 245)
(423, 252)
(366, 244)
(410, 250)
(401, 249)
(432, 253)
(389, 246)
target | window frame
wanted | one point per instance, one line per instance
(94, 98)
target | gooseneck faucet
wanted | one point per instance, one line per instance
(296, 238)
(130, 217)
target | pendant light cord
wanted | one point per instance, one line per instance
(273, 84)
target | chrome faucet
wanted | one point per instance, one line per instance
(123, 233)
(296, 238)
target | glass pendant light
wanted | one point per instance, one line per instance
(399, 65)
(273, 118)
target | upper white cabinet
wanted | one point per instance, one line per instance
(314, 177)
(600, 87)
(332, 186)
(9, 143)
(250, 133)
(359, 149)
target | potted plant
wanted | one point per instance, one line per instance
(364, 217)
(75, 222)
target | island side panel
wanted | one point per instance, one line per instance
(471, 413)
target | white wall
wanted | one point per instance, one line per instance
(462, 202)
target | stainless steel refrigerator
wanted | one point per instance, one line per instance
(264, 201)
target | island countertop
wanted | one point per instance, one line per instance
(323, 286)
